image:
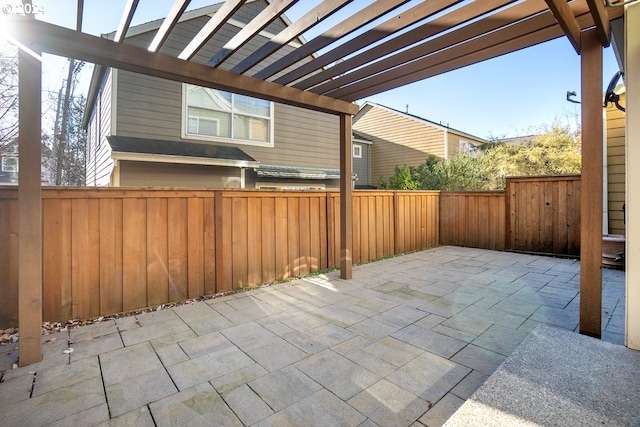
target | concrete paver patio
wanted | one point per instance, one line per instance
(405, 342)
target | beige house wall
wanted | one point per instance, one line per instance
(397, 140)
(615, 124)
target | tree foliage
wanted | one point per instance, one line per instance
(554, 151)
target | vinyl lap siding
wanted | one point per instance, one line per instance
(150, 107)
(397, 140)
(148, 174)
(616, 167)
(99, 163)
(361, 166)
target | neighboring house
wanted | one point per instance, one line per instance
(9, 164)
(147, 131)
(399, 138)
(615, 177)
(361, 146)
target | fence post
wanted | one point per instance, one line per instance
(219, 241)
(507, 214)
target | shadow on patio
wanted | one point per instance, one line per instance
(405, 342)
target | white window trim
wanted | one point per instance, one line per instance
(186, 135)
(357, 148)
(11, 169)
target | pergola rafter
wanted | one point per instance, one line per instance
(448, 34)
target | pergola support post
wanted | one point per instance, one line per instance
(346, 183)
(30, 210)
(632, 83)
(591, 201)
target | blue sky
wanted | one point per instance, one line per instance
(510, 95)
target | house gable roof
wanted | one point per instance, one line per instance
(368, 105)
(156, 150)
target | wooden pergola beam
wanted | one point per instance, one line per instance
(457, 17)
(257, 24)
(71, 44)
(379, 32)
(349, 25)
(216, 22)
(309, 20)
(566, 20)
(29, 209)
(417, 70)
(125, 20)
(601, 21)
(170, 21)
(591, 185)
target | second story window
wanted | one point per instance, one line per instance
(217, 115)
(9, 164)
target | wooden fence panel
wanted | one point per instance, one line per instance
(472, 219)
(109, 250)
(417, 216)
(544, 214)
(8, 258)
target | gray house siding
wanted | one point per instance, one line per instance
(361, 166)
(150, 107)
(148, 174)
(98, 157)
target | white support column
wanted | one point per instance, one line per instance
(632, 83)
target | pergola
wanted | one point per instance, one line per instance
(433, 37)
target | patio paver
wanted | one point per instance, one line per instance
(405, 342)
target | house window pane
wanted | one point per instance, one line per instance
(357, 151)
(219, 114)
(251, 128)
(247, 105)
(208, 98)
(208, 122)
(9, 164)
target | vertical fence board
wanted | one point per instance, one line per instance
(305, 238)
(56, 235)
(134, 254)
(373, 235)
(282, 239)
(314, 233)
(239, 250)
(178, 251)
(209, 244)
(324, 236)
(157, 252)
(195, 247)
(268, 229)
(293, 228)
(9, 261)
(226, 214)
(254, 241)
(85, 258)
(111, 256)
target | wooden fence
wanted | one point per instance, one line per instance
(473, 219)
(109, 250)
(544, 214)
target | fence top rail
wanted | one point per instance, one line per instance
(7, 192)
(543, 178)
(492, 193)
